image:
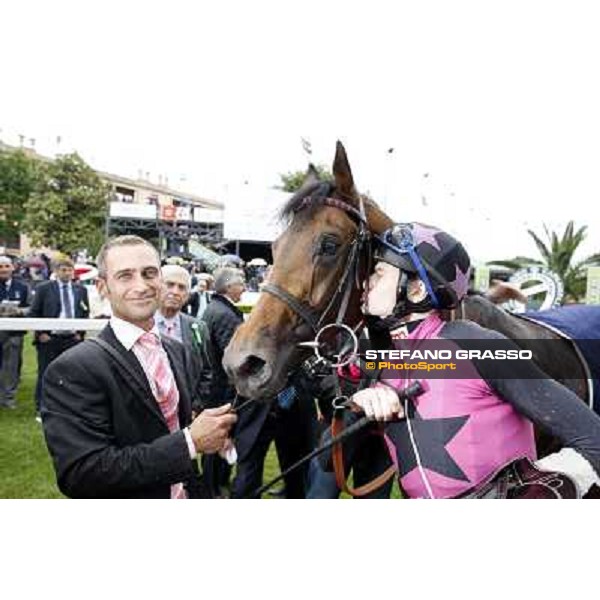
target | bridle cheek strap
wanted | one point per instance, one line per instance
(305, 311)
(308, 314)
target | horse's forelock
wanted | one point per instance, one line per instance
(318, 189)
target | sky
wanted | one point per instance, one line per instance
(479, 117)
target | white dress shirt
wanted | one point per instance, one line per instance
(170, 327)
(128, 334)
(63, 314)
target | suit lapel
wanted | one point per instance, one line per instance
(178, 368)
(135, 377)
(77, 299)
(186, 330)
(55, 298)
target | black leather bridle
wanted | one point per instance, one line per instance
(312, 316)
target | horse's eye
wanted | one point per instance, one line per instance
(329, 247)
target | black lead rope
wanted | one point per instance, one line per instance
(350, 430)
(412, 391)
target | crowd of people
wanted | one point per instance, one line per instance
(135, 411)
(180, 302)
(35, 286)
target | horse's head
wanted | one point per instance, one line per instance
(318, 266)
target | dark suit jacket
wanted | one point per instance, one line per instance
(222, 319)
(299, 422)
(193, 304)
(104, 429)
(17, 292)
(46, 302)
(196, 339)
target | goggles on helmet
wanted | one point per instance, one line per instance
(398, 248)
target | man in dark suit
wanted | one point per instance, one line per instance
(117, 412)
(289, 420)
(64, 299)
(198, 300)
(191, 332)
(222, 318)
(14, 298)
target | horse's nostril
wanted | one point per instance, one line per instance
(252, 366)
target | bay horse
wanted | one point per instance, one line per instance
(311, 261)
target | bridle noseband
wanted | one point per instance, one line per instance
(309, 314)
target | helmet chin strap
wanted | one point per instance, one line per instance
(405, 306)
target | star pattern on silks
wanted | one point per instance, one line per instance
(425, 235)
(431, 438)
(460, 284)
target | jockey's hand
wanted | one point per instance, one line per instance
(380, 403)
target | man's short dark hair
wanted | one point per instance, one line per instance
(62, 262)
(122, 240)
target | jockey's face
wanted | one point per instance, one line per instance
(132, 283)
(381, 295)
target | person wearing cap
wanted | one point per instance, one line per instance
(460, 431)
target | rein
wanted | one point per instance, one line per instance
(336, 439)
(315, 319)
(339, 434)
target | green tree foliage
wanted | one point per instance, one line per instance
(69, 209)
(293, 180)
(19, 177)
(557, 254)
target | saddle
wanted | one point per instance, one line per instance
(522, 480)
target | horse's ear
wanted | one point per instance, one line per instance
(342, 173)
(312, 175)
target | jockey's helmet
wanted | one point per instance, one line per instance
(430, 254)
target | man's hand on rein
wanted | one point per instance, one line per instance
(210, 430)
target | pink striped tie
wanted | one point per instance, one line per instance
(158, 370)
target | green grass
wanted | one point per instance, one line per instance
(26, 469)
(25, 466)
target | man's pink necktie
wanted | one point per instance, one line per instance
(157, 368)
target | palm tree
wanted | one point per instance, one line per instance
(557, 255)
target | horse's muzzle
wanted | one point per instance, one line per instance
(251, 374)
